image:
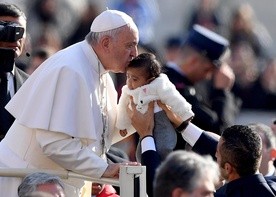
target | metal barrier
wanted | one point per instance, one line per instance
(126, 181)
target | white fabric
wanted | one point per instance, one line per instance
(191, 134)
(11, 86)
(58, 118)
(62, 95)
(111, 19)
(147, 144)
(23, 147)
(159, 89)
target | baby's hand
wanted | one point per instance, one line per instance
(123, 133)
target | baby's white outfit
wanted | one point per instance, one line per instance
(161, 89)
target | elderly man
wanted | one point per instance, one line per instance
(66, 111)
(41, 182)
(186, 174)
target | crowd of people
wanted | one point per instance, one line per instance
(62, 108)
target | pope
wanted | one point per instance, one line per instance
(65, 112)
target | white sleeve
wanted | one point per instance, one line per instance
(170, 96)
(191, 134)
(123, 121)
(147, 144)
(71, 153)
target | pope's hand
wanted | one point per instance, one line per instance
(113, 169)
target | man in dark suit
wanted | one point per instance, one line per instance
(202, 142)
(239, 154)
(200, 59)
(12, 41)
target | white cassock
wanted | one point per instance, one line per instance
(59, 123)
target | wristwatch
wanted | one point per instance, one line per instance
(182, 127)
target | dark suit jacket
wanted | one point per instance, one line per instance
(6, 118)
(19, 77)
(204, 145)
(254, 186)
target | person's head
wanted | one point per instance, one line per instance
(239, 152)
(142, 70)
(114, 37)
(242, 19)
(201, 53)
(186, 174)
(38, 56)
(268, 76)
(10, 13)
(172, 48)
(268, 147)
(273, 126)
(41, 182)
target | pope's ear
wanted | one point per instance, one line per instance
(273, 153)
(105, 42)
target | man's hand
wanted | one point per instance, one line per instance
(224, 77)
(143, 123)
(175, 119)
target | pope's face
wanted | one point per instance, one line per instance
(17, 46)
(123, 50)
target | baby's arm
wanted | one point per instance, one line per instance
(171, 97)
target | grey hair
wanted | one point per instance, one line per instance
(269, 138)
(30, 183)
(182, 169)
(95, 37)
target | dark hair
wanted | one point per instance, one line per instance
(148, 62)
(11, 10)
(241, 147)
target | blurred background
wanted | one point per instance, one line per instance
(249, 25)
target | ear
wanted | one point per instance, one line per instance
(178, 192)
(228, 168)
(273, 153)
(105, 43)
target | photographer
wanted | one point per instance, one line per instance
(12, 40)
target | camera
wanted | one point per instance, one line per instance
(10, 31)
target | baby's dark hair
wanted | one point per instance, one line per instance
(148, 62)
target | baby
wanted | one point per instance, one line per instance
(146, 83)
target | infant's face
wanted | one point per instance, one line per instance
(136, 77)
